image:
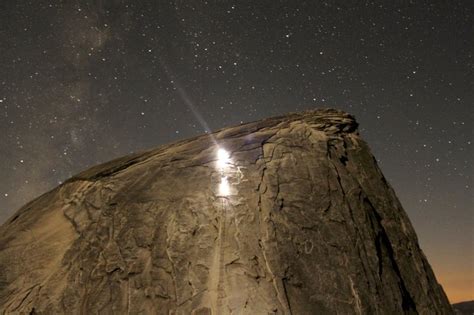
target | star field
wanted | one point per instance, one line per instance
(84, 82)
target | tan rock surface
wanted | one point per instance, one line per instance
(310, 226)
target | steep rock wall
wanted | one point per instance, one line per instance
(308, 225)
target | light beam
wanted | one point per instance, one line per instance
(223, 158)
(224, 187)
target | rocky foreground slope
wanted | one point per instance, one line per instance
(294, 217)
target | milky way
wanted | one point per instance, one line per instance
(83, 82)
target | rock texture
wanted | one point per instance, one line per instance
(464, 308)
(310, 226)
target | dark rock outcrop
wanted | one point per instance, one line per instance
(297, 220)
(464, 308)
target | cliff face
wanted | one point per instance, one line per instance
(296, 218)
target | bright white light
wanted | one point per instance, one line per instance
(223, 158)
(224, 188)
(222, 154)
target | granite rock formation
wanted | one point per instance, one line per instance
(304, 224)
(464, 308)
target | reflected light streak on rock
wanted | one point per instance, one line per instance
(223, 159)
(223, 166)
(224, 188)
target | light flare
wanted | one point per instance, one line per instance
(224, 187)
(223, 158)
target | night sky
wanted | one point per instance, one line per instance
(83, 82)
